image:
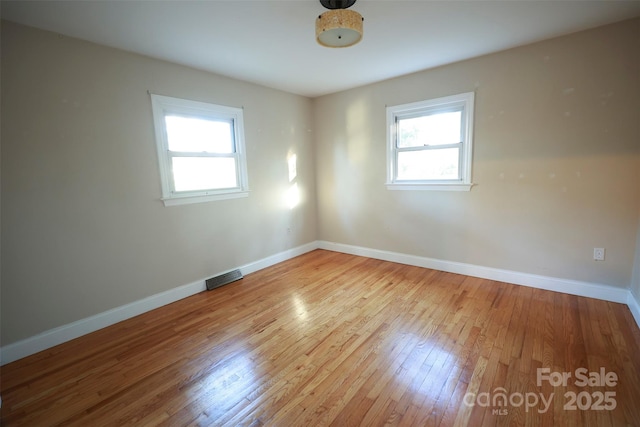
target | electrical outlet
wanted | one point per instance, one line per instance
(598, 254)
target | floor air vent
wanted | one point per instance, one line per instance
(223, 279)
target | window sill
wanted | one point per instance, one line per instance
(190, 199)
(430, 187)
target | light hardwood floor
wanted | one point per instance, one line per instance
(334, 339)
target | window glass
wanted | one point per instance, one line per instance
(204, 173)
(199, 135)
(428, 164)
(432, 129)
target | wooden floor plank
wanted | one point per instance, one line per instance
(333, 339)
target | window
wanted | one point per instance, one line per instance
(200, 150)
(430, 144)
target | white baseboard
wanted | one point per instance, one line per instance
(81, 327)
(573, 287)
(252, 267)
(634, 307)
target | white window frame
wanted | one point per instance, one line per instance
(165, 105)
(461, 102)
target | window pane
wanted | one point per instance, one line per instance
(199, 135)
(429, 164)
(204, 173)
(434, 129)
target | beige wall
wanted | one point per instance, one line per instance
(83, 226)
(556, 161)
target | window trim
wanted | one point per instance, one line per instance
(164, 105)
(462, 101)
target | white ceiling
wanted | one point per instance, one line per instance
(272, 42)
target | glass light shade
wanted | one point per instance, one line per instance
(339, 28)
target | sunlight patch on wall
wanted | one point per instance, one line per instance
(292, 161)
(292, 196)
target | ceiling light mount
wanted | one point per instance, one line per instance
(337, 4)
(339, 27)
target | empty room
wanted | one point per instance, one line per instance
(320, 213)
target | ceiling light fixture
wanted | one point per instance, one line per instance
(339, 27)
